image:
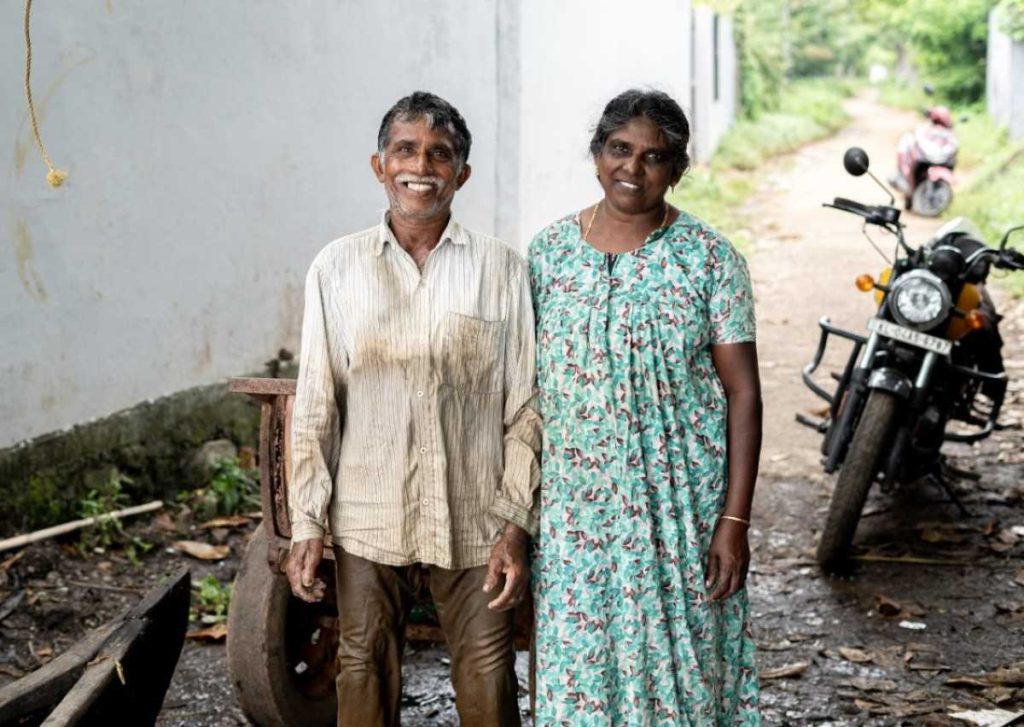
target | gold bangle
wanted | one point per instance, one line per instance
(733, 517)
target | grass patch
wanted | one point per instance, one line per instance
(995, 202)
(809, 109)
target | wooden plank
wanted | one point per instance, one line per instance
(262, 387)
(31, 698)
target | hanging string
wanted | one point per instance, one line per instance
(55, 177)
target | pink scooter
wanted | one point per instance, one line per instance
(925, 158)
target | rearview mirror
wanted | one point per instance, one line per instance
(1006, 237)
(855, 160)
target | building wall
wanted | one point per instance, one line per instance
(213, 148)
(714, 109)
(1004, 88)
(576, 55)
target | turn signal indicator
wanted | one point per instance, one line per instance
(865, 283)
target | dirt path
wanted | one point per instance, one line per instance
(968, 619)
(854, 658)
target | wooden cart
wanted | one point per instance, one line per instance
(281, 650)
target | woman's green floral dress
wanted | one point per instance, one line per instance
(633, 481)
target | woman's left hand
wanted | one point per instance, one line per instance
(728, 560)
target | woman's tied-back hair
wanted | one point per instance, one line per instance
(421, 105)
(657, 106)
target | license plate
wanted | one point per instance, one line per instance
(910, 336)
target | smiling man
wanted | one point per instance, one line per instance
(414, 433)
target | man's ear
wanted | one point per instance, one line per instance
(463, 176)
(377, 164)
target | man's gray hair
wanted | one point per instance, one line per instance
(437, 112)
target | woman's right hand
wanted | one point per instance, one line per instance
(728, 560)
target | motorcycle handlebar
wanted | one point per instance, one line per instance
(876, 215)
(1010, 259)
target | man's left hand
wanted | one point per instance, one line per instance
(508, 557)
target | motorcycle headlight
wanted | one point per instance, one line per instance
(919, 299)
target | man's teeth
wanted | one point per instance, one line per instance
(419, 186)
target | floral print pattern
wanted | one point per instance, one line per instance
(633, 481)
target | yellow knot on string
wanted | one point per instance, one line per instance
(54, 177)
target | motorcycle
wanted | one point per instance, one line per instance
(931, 355)
(925, 158)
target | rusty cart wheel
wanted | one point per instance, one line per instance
(281, 651)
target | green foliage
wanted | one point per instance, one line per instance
(758, 30)
(41, 502)
(1011, 18)
(232, 489)
(995, 199)
(108, 532)
(808, 109)
(210, 601)
(948, 42)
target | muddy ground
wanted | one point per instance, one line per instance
(912, 635)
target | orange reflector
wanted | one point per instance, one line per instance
(865, 283)
(974, 320)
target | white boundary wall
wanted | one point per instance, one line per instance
(213, 148)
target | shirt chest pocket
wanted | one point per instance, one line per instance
(473, 354)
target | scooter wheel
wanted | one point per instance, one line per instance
(930, 199)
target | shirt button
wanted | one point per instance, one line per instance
(423, 450)
(426, 502)
(419, 393)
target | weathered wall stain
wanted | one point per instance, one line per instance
(24, 256)
(23, 140)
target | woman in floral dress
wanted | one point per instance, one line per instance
(652, 427)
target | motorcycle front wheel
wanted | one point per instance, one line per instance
(855, 478)
(930, 198)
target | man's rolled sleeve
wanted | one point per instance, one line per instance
(315, 422)
(516, 500)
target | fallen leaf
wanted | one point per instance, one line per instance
(786, 671)
(999, 695)
(11, 671)
(165, 522)
(216, 632)
(44, 652)
(988, 717)
(886, 606)
(1008, 606)
(246, 458)
(776, 645)
(1019, 578)
(990, 527)
(226, 521)
(203, 551)
(1008, 536)
(867, 706)
(867, 684)
(11, 561)
(857, 656)
(1007, 676)
(937, 535)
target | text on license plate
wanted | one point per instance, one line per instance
(910, 336)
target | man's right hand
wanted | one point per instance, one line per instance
(303, 559)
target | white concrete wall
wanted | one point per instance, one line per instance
(712, 116)
(576, 55)
(213, 148)
(1004, 87)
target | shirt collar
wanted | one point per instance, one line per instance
(453, 233)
